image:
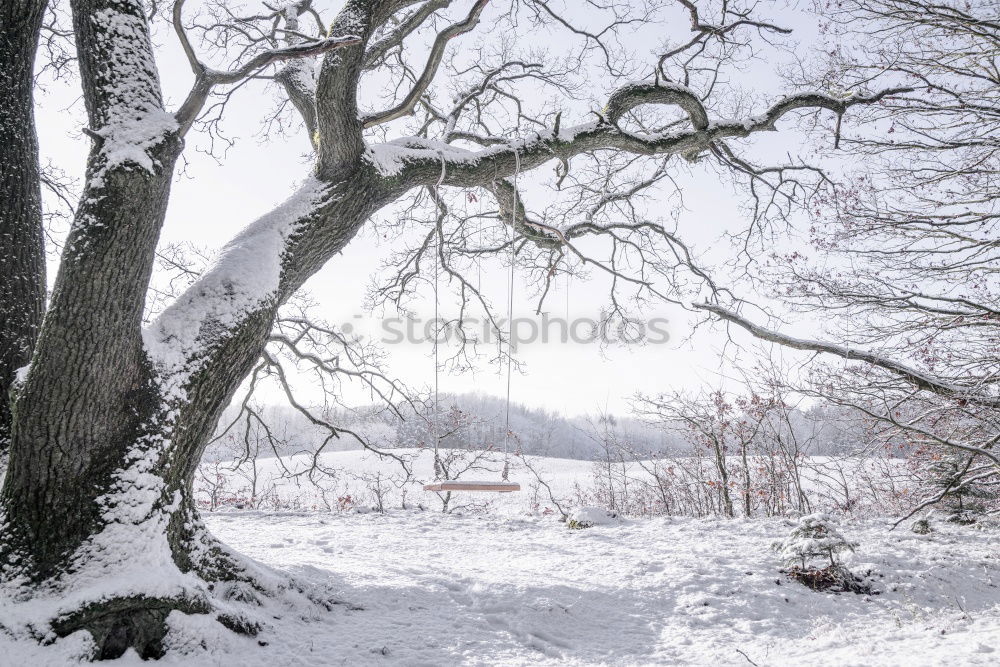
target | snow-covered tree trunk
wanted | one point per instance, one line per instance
(90, 423)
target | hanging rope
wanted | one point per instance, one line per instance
(510, 318)
(479, 240)
(438, 471)
(567, 293)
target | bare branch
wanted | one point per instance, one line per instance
(916, 378)
(406, 106)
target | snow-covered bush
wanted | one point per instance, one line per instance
(588, 517)
(816, 536)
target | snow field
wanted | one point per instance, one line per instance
(507, 585)
(447, 589)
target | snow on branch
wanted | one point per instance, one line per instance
(245, 278)
(128, 140)
(124, 99)
(632, 95)
(464, 168)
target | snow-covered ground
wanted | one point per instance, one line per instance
(431, 589)
(426, 588)
(435, 589)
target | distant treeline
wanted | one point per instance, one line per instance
(474, 420)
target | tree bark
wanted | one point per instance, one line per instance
(73, 489)
(22, 250)
(88, 423)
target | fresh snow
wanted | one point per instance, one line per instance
(592, 516)
(430, 589)
(507, 585)
(438, 589)
(129, 140)
(390, 157)
(134, 120)
(244, 276)
(21, 374)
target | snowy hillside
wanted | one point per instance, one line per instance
(327, 481)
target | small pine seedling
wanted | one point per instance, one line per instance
(815, 536)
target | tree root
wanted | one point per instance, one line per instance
(136, 622)
(234, 591)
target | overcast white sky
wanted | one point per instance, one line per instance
(212, 200)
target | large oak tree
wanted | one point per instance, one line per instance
(105, 427)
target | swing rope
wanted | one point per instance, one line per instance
(438, 471)
(510, 319)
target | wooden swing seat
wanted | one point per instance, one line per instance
(469, 485)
